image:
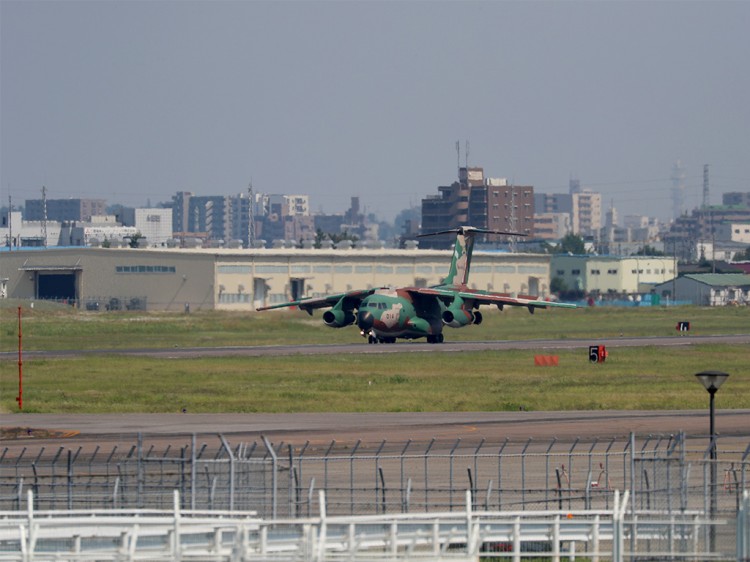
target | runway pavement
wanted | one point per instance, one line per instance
(373, 428)
(400, 347)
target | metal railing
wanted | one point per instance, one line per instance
(616, 534)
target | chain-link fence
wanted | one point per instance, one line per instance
(666, 473)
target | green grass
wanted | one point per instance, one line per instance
(66, 328)
(632, 378)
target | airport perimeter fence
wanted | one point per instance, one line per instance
(669, 473)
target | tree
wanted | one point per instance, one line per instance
(743, 256)
(571, 244)
(134, 239)
(319, 237)
(649, 251)
(413, 214)
(333, 237)
(559, 287)
(336, 238)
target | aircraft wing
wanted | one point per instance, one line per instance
(485, 297)
(351, 299)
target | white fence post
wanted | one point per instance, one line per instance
(743, 527)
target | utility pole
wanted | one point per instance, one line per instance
(708, 218)
(44, 216)
(10, 223)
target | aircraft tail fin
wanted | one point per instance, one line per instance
(458, 274)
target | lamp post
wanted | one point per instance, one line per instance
(711, 381)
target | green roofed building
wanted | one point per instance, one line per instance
(708, 289)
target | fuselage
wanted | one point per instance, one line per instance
(398, 313)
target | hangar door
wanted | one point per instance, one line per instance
(55, 282)
(56, 286)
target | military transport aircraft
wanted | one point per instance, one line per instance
(386, 313)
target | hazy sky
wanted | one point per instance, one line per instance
(134, 101)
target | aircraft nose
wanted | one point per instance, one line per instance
(365, 320)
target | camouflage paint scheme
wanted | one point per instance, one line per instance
(384, 314)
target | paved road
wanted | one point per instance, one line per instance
(373, 428)
(401, 347)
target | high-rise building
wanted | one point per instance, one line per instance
(587, 212)
(736, 198)
(551, 226)
(480, 202)
(64, 209)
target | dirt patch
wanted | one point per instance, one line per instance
(35, 433)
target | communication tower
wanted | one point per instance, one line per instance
(678, 189)
(706, 197)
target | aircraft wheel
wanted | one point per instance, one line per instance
(440, 338)
(430, 339)
(371, 339)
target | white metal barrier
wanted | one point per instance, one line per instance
(176, 534)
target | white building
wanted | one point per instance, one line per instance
(154, 224)
(286, 205)
(613, 274)
(733, 232)
(89, 233)
(587, 212)
(16, 232)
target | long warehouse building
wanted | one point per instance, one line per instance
(242, 279)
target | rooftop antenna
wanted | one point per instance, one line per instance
(458, 159)
(467, 158)
(44, 216)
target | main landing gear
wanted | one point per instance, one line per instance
(375, 339)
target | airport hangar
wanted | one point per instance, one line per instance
(243, 279)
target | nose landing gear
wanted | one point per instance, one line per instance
(373, 339)
(435, 338)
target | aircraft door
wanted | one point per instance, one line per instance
(297, 288)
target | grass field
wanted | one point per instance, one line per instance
(632, 378)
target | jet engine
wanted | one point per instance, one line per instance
(338, 318)
(457, 316)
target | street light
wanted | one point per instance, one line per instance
(711, 381)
